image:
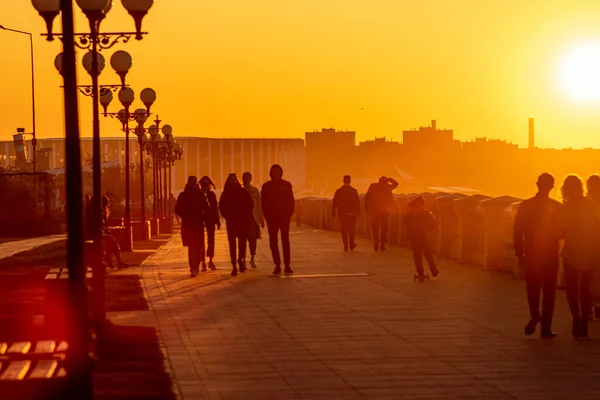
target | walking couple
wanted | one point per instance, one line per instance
(540, 224)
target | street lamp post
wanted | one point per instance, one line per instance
(78, 363)
(167, 149)
(126, 97)
(95, 10)
(121, 62)
(148, 97)
(34, 140)
(151, 149)
(164, 152)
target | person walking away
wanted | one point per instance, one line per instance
(378, 203)
(420, 223)
(536, 247)
(172, 203)
(278, 207)
(191, 205)
(579, 226)
(593, 192)
(254, 233)
(236, 207)
(346, 204)
(212, 220)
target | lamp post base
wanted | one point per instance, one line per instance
(141, 231)
(124, 237)
(154, 226)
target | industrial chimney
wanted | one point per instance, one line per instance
(433, 124)
(531, 134)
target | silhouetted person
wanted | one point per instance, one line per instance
(346, 204)
(593, 192)
(172, 203)
(579, 226)
(254, 233)
(212, 220)
(420, 224)
(278, 208)
(236, 207)
(378, 203)
(593, 189)
(191, 206)
(536, 246)
(109, 241)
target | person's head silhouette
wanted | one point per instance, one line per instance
(572, 188)
(545, 183)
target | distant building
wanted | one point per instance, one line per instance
(429, 137)
(202, 156)
(378, 157)
(329, 155)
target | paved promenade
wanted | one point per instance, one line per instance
(9, 249)
(375, 336)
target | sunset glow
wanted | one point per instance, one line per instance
(278, 68)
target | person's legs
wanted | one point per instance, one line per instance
(232, 238)
(429, 257)
(384, 221)
(417, 256)
(548, 283)
(210, 241)
(210, 247)
(352, 231)
(572, 283)
(201, 250)
(344, 230)
(375, 222)
(253, 238)
(533, 285)
(274, 244)
(242, 236)
(107, 248)
(285, 245)
(585, 296)
(192, 260)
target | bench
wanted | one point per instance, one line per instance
(33, 370)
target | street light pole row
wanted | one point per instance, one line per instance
(79, 361)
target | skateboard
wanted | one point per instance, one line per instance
(421, 278)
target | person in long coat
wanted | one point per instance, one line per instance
(191, 206)
(236, 207)
(254, 233)
(212, 219)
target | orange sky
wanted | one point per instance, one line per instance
(277, 68)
